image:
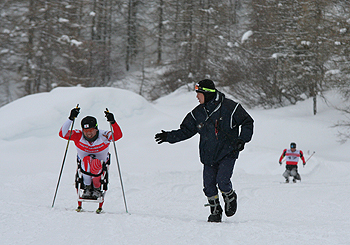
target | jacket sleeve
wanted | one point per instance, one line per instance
(65, 132)
(302, 157)
(283, 155)
(65, 129)
(246, 122)
(187, 129)
(117, 132)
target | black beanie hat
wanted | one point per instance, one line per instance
(207, 87)
(89, 122)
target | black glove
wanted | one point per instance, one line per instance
(239, 144)
(280, 163)
(110, 117)
(161, 137)
(74, 113)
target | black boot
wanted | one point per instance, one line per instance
(96, 193)
(87, 192)
(230, 199)
(215, 209)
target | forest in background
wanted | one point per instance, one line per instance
(267, 53)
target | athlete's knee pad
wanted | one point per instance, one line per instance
(86, 163)
(95, 166)
(294, 172)
(286, 174)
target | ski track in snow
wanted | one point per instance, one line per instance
(163, 183)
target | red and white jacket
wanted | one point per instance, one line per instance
(99, 148)
(292, 158)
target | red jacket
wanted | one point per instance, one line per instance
(99, 148)
(292, 157)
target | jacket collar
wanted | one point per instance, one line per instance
(212, 106)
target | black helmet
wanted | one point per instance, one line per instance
(207, 87)
(293, 145)
(88, 122)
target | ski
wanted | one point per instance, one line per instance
(97, 211)
(290, 182)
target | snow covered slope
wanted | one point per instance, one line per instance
(163, 183)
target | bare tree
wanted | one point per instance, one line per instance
(132, 32)
(264, 52)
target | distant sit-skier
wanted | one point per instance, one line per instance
(92, 147)
(292, 158)
(224, 127)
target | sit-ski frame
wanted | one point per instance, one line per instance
(81, 191)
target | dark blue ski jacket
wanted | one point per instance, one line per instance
(220, 122)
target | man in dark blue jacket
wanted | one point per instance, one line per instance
(224, 128)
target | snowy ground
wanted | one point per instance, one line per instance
(163, 183)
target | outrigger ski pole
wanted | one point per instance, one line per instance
(120, 175)
(64, 159)
(309, 157)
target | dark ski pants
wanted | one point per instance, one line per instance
(218, 175)
(291, 170)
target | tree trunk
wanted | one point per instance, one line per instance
(160, 32)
